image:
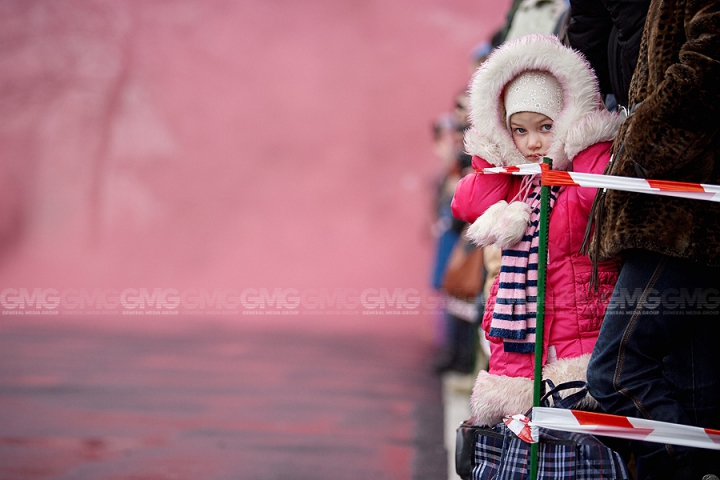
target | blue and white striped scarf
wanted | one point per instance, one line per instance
(514, 315)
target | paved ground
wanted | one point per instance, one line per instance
(456, 390)
(202, 399)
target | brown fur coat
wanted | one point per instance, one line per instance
(673, 134)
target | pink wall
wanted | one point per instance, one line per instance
(225, 143)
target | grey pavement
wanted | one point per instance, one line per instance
(219, 399)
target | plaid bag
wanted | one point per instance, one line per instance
(484, 453)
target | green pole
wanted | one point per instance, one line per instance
(540, 317)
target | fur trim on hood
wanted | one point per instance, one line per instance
(497, 396)
(582, 122)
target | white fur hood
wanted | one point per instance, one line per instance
(582, 122)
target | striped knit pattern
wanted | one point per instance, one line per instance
(515, 311)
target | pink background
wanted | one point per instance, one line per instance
(225, 143)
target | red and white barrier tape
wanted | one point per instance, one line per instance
(525, 169)
(612, 426)
(599, 423)
(520, 425)
(697, 191)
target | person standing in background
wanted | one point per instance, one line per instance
(656, 355)
(608, 33)
(459, 351)
(535, 16)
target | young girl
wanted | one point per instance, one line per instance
(535, 98)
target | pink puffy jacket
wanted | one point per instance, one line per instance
(573, 312)
(582, 134)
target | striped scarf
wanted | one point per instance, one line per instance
(515, 311)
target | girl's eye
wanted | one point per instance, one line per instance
(519, 130)
(547, 127)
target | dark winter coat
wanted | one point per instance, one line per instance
(608, 33)
(673, 134)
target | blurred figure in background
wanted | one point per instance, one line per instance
(445, 145)
(530, 16)
(452, 262)
(479, 54)
(463, 272)
(536, 16)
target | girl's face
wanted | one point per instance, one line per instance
(532, 133)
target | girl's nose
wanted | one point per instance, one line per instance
(534, 141)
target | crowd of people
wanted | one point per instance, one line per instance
(597, 86)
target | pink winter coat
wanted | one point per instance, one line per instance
(573, 313)
(582, 134)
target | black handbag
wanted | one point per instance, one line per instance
(495, 452)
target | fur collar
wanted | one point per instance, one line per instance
(582, 122)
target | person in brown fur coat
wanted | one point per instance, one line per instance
(657, 353)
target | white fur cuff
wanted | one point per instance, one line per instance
(497, 396)
(502, 224)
